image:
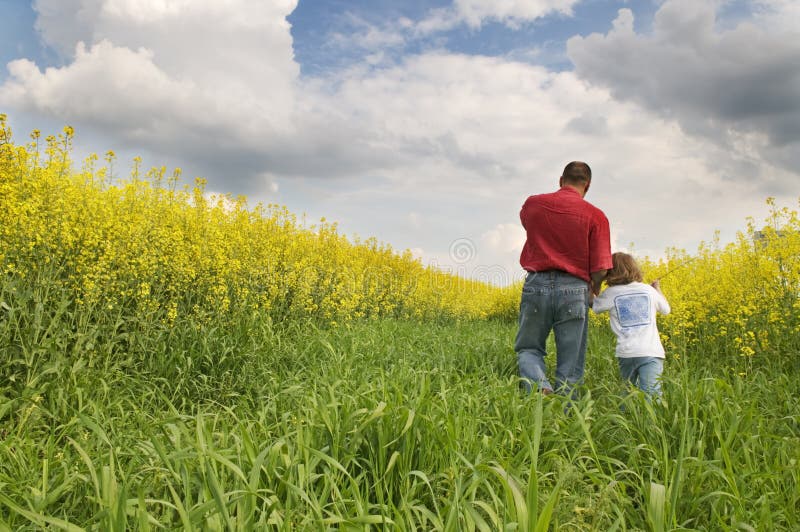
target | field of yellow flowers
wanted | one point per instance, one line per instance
(172, 360)
(151, 247)
(740, 300)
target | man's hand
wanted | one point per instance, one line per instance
(597, 280)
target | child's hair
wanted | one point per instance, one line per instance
(624, 270)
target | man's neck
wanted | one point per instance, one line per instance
(577, 188)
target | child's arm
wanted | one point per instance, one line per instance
(662, 305)
(601, 303)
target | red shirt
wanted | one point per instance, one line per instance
(565, 232)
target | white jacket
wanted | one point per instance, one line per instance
(633, 309)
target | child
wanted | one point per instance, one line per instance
(633, 306)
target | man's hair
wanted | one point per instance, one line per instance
(577, 172)
(624, 270)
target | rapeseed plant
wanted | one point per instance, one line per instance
(738, 300)
(146, 248)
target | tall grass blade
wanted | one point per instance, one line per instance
(39, 519)
(656, 507)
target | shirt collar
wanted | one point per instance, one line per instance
(569, 190)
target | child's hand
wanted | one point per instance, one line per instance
(656, 284)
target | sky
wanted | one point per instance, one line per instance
(427, 124)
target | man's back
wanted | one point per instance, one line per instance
(564, 232)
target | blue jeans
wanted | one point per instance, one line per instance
(643, 372)
(557, 301)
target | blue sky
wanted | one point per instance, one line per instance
(427, 124)
(18, 35)
(314, 21)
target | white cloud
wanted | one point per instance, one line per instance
(374, 41)
(438, 20)
(778, 15)
(470, 13)
(736, 87)
(512, 12)
(80, 89)
(144, 10)
(505, 238)
(209, 80)
(415, 219)
(270, 186)
(500, 248)
(227, 48)
(64, 23)
(475, 13)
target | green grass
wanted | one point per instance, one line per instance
(111, 423)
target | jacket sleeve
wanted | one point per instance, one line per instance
(662, 305)
(602, 303)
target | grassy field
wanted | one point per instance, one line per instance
(174, 361)
(385, 424)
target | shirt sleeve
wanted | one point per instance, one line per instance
(523, 214)
(599, 244)
(662, 305)
(602, 303)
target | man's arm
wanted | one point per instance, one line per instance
(599, 250)
(602, 302)
(597, 280)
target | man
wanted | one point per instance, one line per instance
(566, 254)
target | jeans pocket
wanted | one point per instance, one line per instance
(531, 301)
(535, 286)
(573, 310)
(574, 304)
